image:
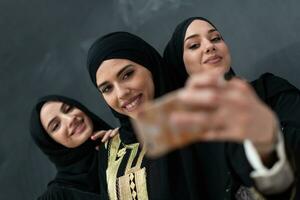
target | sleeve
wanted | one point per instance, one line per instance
(287, 108)
(279, 177)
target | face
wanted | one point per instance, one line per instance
(204, 48)
(125, 85)
(65, 124)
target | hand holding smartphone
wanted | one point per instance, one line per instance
(155, 131)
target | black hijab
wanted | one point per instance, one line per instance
(77, 168)
(173, 53)
(123, 45)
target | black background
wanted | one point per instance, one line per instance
(43, 51)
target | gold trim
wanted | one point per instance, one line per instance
(113, 165)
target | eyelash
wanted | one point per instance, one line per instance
(216, 39)
(126, 76)
(67, 108)
(197, 45)
(105, 89)
(55, 126)
(194, 46)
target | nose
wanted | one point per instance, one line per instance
(209, 46)
(68, 120)
(71, 122)
(122, 91)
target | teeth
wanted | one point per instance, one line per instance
(132, 104)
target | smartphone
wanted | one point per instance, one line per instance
(154, 130)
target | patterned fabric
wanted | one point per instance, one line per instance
(132, 184)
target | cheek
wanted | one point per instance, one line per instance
(227, 56)
(109, 100)
(148, 84)
(225, 51)
(151, 89)
(59, 137)
(90, 125)
(187, 59)
(191, 62)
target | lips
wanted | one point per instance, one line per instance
(133, 103)
(79, 126)
(213, 59)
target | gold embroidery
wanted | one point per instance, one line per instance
(132, 185)
(141, 184)
(113, 166)
(134, 148)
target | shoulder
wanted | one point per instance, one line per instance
(269, 85)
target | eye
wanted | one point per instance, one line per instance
(54, 126)
(194, 46)
(67, 108)
(127, 74)
(216, 39)
(106, 89)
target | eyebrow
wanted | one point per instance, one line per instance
(194, 35)
(118, 74)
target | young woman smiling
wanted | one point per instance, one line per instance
(66, 131)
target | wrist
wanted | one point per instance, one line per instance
(266, 148)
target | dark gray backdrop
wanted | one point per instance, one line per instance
(43, 50)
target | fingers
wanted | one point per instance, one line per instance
(188, 120)
(105, 134)
(220, 135)
(239, 95)
(203, 90)
(114, 132)
(214, 78)
(98, 134)
(205, 98)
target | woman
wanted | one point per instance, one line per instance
(63, 129)
(129, 72)
(198, 49)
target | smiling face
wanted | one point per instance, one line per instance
(66, 124)
(204, 48)
(125, 85)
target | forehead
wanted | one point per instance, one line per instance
(49, 110)
(199, 27)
